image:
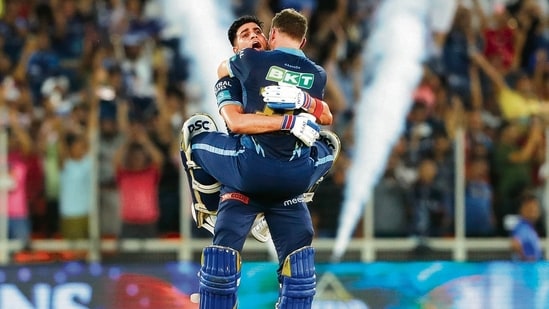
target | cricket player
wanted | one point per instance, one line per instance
(264, 169)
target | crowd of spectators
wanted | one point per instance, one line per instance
(488, 73)
(98, 79)
(91, 90)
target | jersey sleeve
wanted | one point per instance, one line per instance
(324, 79)
(241, 64)
(228, 91)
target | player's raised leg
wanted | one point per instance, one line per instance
(329, 147)
(203, 187)
(298, 280)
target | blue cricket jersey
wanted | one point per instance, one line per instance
(257, 69)
(525, 233)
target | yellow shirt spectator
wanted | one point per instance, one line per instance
(513, 105)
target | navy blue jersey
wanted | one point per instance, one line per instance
(257, 69)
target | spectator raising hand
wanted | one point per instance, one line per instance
(76, 187)
(137, 164)
(512, 164)
(19, 146)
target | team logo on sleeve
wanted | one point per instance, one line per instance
(222, 85)
(301, 80)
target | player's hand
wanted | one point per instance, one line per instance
(302, 126)
(286, 97)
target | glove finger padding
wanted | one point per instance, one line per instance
(281, 91)
(308, 136)
(280, 97)
(283, 97)
(306, 129)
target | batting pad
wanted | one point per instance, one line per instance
(204, 188)
(219, 277)
(298, 280)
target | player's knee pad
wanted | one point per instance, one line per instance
(204, 188)
(298, 280)
(219, 277)
(331, 140)
(196, 124)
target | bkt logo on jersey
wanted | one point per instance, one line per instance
(302, 80)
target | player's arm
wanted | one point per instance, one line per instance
(325, 116)
(290, 97)
(222, 69)
(239, 122)
(228, 93)
(301, 126)
(229, 100)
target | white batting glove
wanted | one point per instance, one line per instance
(302, 126)
(286, 97)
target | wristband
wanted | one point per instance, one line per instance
(307, 101)
(288, 122)
(319, 108)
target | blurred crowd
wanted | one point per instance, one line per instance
(487, 73)
(97, 90)
(91, 91)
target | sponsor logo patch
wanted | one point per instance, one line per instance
(302, 80)
(294, 201)
(199, 125)
(222, 85)
(235, 196)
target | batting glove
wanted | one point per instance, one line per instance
(302, 126)
(286, 97)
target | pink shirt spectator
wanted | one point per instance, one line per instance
(139, 195)
(17, 196)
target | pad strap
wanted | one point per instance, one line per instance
(190, 166)
(203, 215)
(208, 189)
(298, 280)
(219, 277)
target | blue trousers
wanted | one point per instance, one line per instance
(235, 162)
(253, 183)
(289, 222)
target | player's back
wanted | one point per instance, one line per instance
(257, 69)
